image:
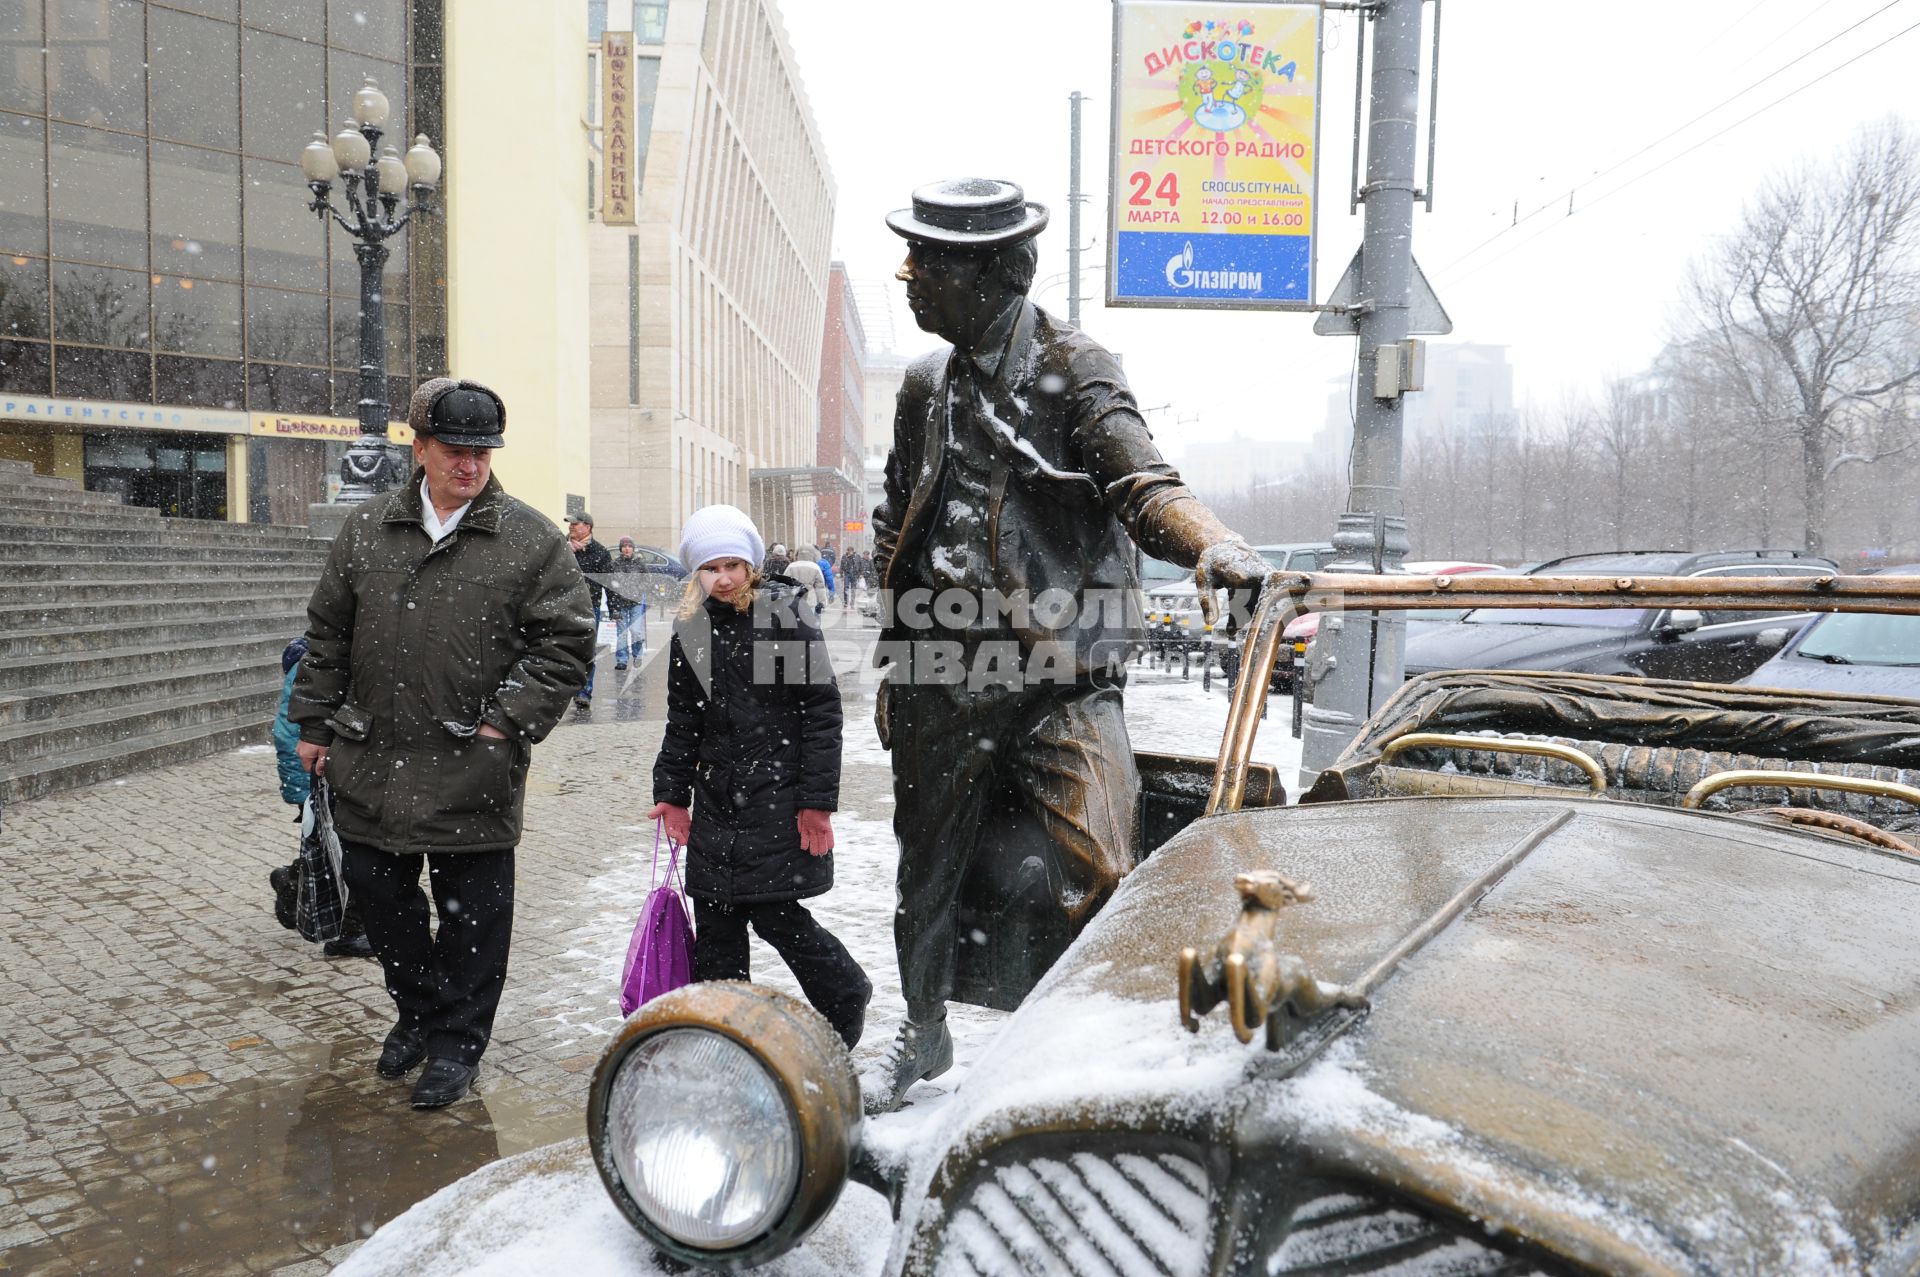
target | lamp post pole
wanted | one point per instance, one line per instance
(374, 190)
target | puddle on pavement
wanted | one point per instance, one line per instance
(275, 1174)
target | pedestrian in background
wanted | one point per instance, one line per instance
(296, 787)
(449, 628)
(849, 577)
(824, 557)
(627, 602)
(805, 572)
(748, 774)
(595, 565)
(777, 561)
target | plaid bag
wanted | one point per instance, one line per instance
(321, 905)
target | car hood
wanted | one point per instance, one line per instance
(1665, 1042)
(1459, 645)
(1817, 676)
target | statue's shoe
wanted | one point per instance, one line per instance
(917, 1052)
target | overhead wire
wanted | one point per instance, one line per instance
(1712, 137)
(1558, 200)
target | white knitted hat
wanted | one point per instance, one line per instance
(720, 532)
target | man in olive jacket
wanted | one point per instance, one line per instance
(448, 631)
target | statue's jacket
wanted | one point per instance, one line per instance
(1073, 471)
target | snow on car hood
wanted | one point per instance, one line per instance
(1666, 1042)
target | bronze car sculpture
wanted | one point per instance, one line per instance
(1556, 973)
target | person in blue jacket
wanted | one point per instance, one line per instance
(296, 786)
(826, 567)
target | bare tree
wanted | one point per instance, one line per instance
(1817, 284)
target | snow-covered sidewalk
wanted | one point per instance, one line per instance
(546, 1211)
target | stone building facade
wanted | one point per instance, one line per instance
(837, 499)
(707, 311)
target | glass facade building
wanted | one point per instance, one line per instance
(155, 242)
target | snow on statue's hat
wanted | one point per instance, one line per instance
(461, 414)
(969, 212)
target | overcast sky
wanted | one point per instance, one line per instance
(1536, 100)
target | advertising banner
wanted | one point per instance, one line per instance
(1213, 183)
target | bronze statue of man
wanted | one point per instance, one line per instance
(1020, 477)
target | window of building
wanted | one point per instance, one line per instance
(196, 211)
(199, 383)
(194, 67)
(287, 327)
(98, 192)
(302, 19)
(196, 316)
(80, 372)
(97, 53)
(23, 195)
(23, 83)
(23, 297)
(100, 306)
(25, 367)
(649, 21)
(646, 82)
(126, 202)
(282, 95)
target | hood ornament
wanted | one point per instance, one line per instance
(1247, 970)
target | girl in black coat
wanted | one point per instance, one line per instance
(752, 747)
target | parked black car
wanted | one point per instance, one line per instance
(1701, 647)
(664, 572)
(1862, 653)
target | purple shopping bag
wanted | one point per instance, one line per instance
(660, 955)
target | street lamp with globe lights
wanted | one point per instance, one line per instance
(374, 191)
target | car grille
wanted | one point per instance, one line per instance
(1356, 1234)
(1080, 1214)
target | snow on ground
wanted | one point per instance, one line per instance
(546, 1211)
(1170, 715)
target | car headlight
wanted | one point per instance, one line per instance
(723, 1118)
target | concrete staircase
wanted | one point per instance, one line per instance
(128, 640)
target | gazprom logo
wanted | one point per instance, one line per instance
(1182, 275)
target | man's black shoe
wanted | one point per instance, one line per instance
(284, 901)
(405, 1047)
(581, 702)
(620, 665)
(444, 1082)
(354, 946)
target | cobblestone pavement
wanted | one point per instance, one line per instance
(186, 1087)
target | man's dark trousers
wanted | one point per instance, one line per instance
(448, 984)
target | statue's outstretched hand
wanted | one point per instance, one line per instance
(1227, 565)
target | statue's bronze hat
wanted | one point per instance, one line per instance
(969, 212)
